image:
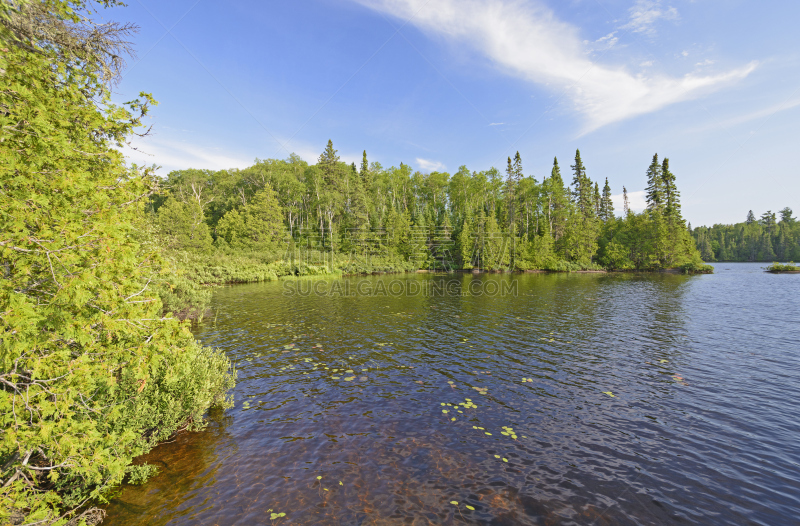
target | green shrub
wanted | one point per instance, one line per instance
(779, 267)
(92, 375)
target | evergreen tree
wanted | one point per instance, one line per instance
(259, 225)
(596, 198)
(672, 197)
(655, 185)
(584, 228)
(607, 204)
(751, 218)
(93, 373)
(626, 204)
(582, 187)
(184, 226)
(786, 216)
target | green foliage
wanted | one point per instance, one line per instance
(778, 267)
(392, 219)
(764, 240)
(259, 224)
(183, 226)
(92, 375)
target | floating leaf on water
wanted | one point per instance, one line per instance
(488, 433)
(609, 393)
(319, 477)
(454, 502)
(349, 371)
(445, 411)
(453, 419)
(505, 459)
(334, 377)
(469, 507)
(663, 361)
(340, 483)
(497, 456)
(349, 378)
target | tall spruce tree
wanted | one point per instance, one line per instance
(582, 187)
(626, 204)
(596, 197)
(655, 186)
(672, 197)
(607, 204)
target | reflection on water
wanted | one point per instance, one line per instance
(580, 399)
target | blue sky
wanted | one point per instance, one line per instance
(712, 84)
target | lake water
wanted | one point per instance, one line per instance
(702, 427)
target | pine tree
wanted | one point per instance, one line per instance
(328, 160)
(557, 206)
(516, 175)
(655, 185)
(751, 218)
(584, 230)
(365, 173)
(582, 191)
(786, 216)
(596, 198)
(510, 194)
(626, 204)
(672, 197)
(607, 204)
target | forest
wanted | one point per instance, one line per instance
(767, 238)
(290, 215)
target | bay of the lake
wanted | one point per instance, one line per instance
(497, 399)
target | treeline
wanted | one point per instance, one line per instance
(469, 219)
(772, 237)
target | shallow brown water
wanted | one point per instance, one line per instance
(701, 429)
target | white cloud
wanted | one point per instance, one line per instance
(178, 156)
(645, 13)
(706, 62)
(497, 124)
(429, 166)
(646, 64)
(528, 41)
(760, 114)
(602, 44)
(637, 200)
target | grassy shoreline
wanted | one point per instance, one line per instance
(187, 292)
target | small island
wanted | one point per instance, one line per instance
(780, 268)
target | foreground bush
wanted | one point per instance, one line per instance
(91, 375)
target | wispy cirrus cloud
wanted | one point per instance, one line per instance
(429, 166)
(645, 13)
(527, 40)
(172, 155)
